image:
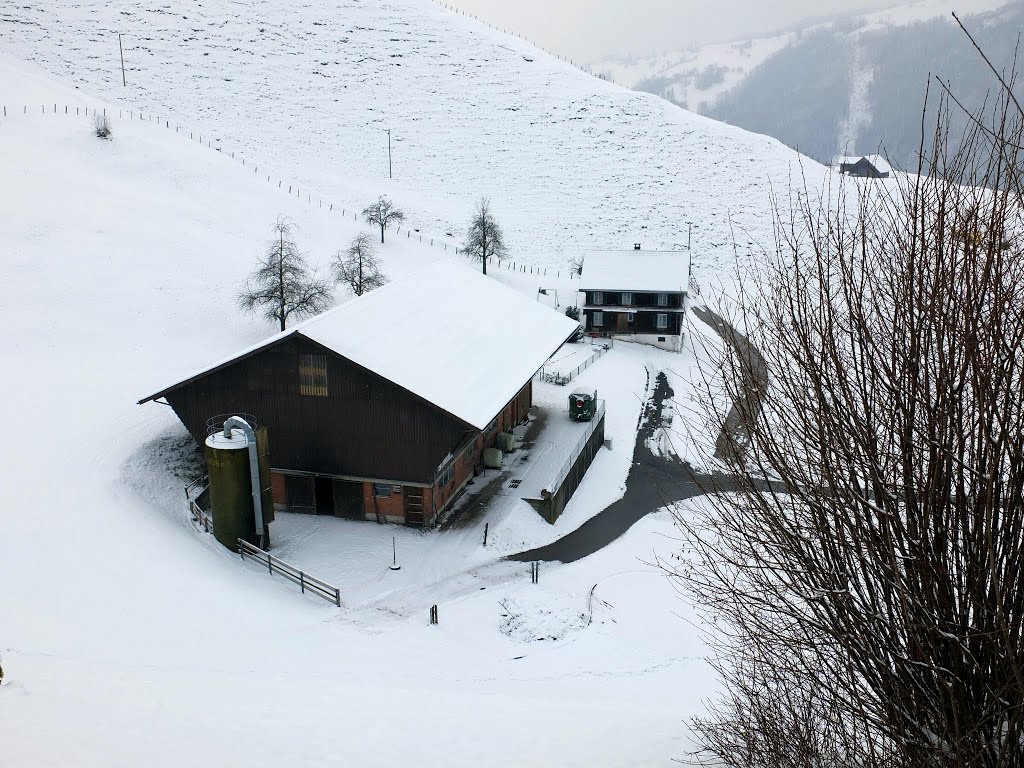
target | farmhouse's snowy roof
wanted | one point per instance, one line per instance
(880, 163)
(447, 333)
(662, 271)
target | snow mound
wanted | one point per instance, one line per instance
(541, 615)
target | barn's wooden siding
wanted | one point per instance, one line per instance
(365, 427)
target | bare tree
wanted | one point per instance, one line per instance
(102, 125)
(867, 605)
(484, 240)
(382, 214)
(358, 267)
(282, 285)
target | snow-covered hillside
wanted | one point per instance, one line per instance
(128, 638)
(571, 162)
(697, 77)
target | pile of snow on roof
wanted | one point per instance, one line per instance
(456, 338)
(661, 271)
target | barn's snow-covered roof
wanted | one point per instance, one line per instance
(446, 333)
(661, 271)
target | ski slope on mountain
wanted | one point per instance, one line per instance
(308, 92)
(128, 638)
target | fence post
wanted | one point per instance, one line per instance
(302, 582)
(337, 597)
(270, 564)
(486, 526)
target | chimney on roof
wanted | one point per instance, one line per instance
(636, 246)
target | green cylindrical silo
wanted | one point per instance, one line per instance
(227, 461)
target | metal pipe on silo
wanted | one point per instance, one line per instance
(254, 466)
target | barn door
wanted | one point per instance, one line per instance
(324, 496)
(348, 500)
(301, 496)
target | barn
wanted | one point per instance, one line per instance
(381, 408)
(864, 166)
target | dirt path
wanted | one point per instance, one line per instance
(755, 375)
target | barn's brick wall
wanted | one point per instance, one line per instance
(437, 498)
(391, 507)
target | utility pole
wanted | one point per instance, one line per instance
(124, 80)
(689, 254)
(689, 259)
(389, 154)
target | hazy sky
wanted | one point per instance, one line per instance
(591, 29)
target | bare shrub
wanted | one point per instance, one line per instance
(102, 125)
(868, 608)
(357, 266)
(282, 285)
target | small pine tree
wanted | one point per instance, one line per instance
(357, 266)
(282, 285)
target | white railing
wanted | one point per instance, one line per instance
(557, 377)
(592, 426)
(306, 582)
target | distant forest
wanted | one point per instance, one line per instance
(802, 95)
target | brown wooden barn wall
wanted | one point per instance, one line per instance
(366, 427)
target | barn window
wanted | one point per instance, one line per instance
(597, 319)
(662, 321)
(381, 489)
(447, 477)
(313, 375)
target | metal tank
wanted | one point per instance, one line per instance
(230, 465)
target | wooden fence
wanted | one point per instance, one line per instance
(306, 582)
(199, 516)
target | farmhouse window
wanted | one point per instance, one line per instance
(662, 299)
(313, 375)
(598, 297)
(597, 319)
(627, 299)
(662, 321)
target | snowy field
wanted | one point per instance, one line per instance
(129, 638)
(306, 93)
